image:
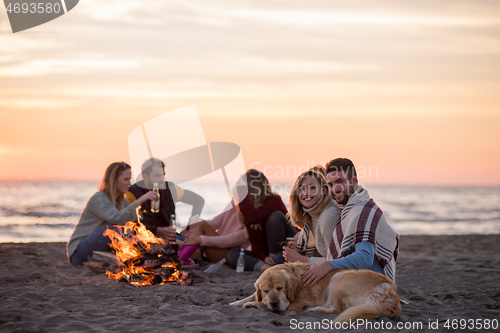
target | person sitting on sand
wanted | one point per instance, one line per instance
(216, 236)
(362, 239)
(264, 215)
(153, 171)
(104, 209)
(314, 211)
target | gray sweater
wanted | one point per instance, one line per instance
(98, 212)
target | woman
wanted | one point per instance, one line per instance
(104, 209)
(264, 215)
(217, 236)
(316, 213)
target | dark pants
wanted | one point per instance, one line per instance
(278, 228)
(96, 241)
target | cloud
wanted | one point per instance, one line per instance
(57, 66)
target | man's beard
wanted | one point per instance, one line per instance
(346, 196)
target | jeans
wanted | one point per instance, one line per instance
(96, 241)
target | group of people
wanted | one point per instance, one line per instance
(332, 223)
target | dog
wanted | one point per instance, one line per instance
(354, 294)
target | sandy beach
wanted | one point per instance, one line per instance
(445, 279)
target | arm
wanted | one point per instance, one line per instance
(227, 241)
(194, 200)
(358, 259)
(102, 207)
(316, 260)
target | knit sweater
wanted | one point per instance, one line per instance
(98, 212)
(322, 226)
(232, 233)
(254, 222)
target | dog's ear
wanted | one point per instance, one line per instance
(258, 295)
(293, 287)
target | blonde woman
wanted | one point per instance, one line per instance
(104, 209)
(316, 214)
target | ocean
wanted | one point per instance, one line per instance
(47, 211)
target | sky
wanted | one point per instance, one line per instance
(408, 90)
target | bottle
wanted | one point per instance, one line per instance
(215, 267)
(155, 205)
(173, 223)
(240, 267)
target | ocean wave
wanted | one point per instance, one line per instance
(39, 211)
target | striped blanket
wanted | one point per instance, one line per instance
(363, 221)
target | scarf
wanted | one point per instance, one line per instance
(306, 233)
(363, 221)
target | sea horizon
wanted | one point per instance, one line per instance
(47, 210)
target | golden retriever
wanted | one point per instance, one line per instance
(355, 294)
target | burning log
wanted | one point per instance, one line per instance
(165, 249)
(149, 261)
(141, 279)
(141, 258)
(102, 262)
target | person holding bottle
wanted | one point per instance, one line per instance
(159, 223)
(105, 208)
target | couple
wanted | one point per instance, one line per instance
(351, 232)
(116, 202)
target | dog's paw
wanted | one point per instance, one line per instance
(312, 309)
(255, 305)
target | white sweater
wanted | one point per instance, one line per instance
(322, 227)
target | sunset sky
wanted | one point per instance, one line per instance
(409, 90)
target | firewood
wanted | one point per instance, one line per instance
(103, 256)
(142, 277)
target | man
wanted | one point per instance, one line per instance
(362, 237)
(153, 171)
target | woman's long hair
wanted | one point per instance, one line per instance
(108, 183)
(297, 214)
(258, 187)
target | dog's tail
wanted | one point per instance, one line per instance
(384, 301)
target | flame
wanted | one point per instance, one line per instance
(125, 241)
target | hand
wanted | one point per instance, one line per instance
(166, 233)
(192, 239)
(148, 196)
(270, 261)
(315, 273)
(292, 255)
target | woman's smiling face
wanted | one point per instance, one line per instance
(310, 191)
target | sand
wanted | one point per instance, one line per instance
(443, 278)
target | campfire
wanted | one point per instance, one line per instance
(141, 258)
